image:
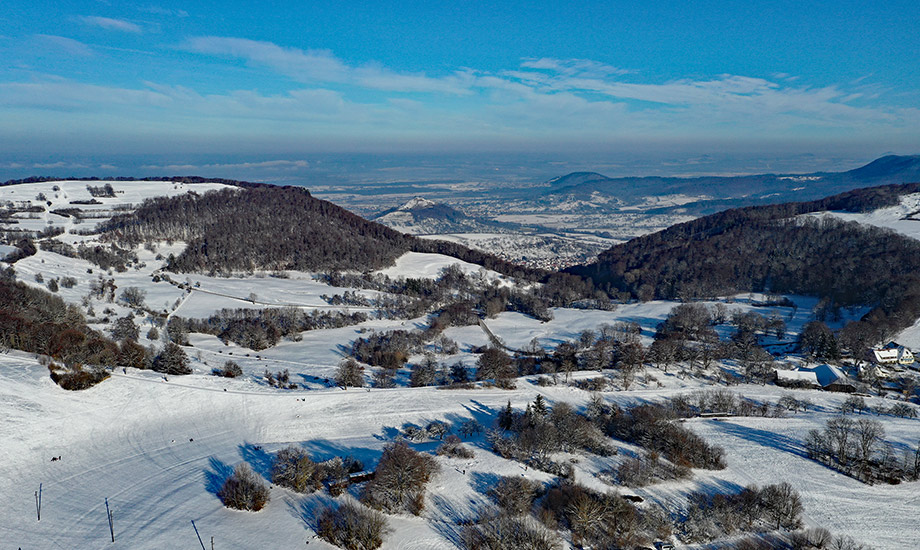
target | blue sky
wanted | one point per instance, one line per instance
(281, 81)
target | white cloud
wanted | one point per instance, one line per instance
(311, 66)
(69, 45)
(111, 24)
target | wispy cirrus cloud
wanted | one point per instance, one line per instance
(559, 100)
(69, 45)
(111, 24)
(312, 66)
(537, 78)
(160, 10)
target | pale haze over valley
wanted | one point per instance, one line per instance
(460, 275)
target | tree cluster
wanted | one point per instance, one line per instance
(773, 248)
(244, 490)
(858, 449)
(258, 329)
(399, 480)
(652, 426)
(712, 516)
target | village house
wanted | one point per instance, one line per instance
(891, 353)
(827, 377)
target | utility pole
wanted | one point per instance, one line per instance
(38, 502)
(111, 517)
(201, 542)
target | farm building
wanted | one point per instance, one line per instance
(825, 376)
(890, 354)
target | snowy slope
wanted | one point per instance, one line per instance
(130, 440)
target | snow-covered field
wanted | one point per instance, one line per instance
(158, 450)
(429, 266)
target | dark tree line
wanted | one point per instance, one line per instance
(771, 248)
(652, 427)
(258, 329)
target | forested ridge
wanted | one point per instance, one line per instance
(773, 248)
(271, 227)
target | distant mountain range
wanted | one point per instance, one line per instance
(712, 193)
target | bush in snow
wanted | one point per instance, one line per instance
(400, 479)
(294, 469)
(453, 447)
(648, 469)
(498, 531)
(77, 378)
(352, 526)
(244, 490)
(515, 495)
(349, 373)
(172, 360)
(230, 370)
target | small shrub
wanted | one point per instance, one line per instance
(294, 469)
(68, 282)
(76, 378)
(230, 370)
(400, 479)
(352, 526)
(497, 531)
(244, 490)
(453, 447)
(515, 495)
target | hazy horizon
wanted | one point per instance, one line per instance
(92, 88)
(321, 170)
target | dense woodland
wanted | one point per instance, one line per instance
(259, 228)
(772, 248)
(269, 227)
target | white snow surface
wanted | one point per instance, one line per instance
(159, 449)
(419, 265)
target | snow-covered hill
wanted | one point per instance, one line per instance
(420, 216)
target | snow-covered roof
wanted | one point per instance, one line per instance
(796, 376)
(898, 354)
(826, 374)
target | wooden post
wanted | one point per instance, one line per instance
(212, 543)
(38, 502)
(201, 542)
(111, 517)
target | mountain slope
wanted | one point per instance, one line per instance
(775, 248)
(751, 189)
(421, 216)
(276, 228)
(260, 228)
